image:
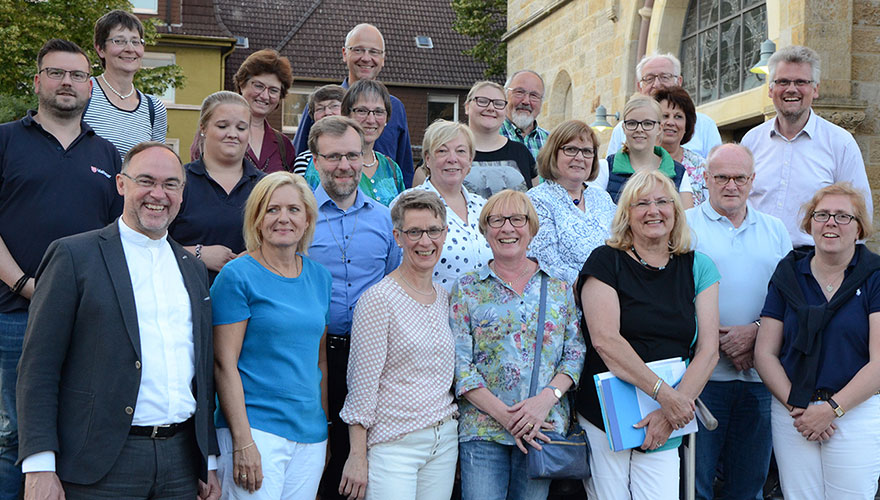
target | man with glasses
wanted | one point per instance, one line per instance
(798, 152)
(354, 241)
(56, 179)
(661, 71)
(525, 94)
(116, 380)
(364, 54)
(745, 245)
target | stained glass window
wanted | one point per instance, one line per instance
(721, 41)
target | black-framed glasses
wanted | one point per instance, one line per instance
(646, 125)
(523, 93)
(660, 203)
(785, 82)
(484, 102)
(665, 78)
(365, 112)
(841, 218)
(336, 106)
(516, 220)
(739, 180)
(58, 74)
(572, 151)
(260, 87)
(359, 51)
(353, 157)
(122, 42)
(415, 234)
(145, 181)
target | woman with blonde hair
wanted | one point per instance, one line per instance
(271, 310)
(646, 297)
(217, 184)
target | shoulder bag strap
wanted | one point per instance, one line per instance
(539, 335)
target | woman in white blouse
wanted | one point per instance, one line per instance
(400, 409)
(448, 149)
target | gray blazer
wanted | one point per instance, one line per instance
(79, 374)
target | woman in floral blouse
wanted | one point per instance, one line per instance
(494, 316)
(574, 218)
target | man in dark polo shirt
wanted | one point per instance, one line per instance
(57, 178)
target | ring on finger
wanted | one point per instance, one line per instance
(243, 476)
(530, 425)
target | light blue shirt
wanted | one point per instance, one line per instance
(705, 137)
(746, 257)
(357, 246)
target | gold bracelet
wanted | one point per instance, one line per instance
(244, 447)
(657, 388)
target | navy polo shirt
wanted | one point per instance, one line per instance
(844, 341)
(210, 216)
(48, 192)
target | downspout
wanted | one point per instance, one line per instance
(645, 13)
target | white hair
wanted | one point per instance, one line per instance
(514, 75)
(796, 54)
(676, 64)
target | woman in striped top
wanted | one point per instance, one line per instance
(117, 111)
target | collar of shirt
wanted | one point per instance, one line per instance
(622, 164)
(324, 200)
(249, 171)
(809, 128)
(713, 214)
(486, 271)
(28, 121)
(135, 238)
(518, 131)
(429, 186)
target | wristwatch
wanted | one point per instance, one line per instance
(836, 407)
(556, 391)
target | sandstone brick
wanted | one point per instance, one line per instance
(866, 39)
(866, 12)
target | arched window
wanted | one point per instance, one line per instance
(721, 41)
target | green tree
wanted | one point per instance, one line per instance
(26, 24)
(485, 20)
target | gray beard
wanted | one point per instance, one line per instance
(793, 117)
(522, 119)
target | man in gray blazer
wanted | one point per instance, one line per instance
(115, 384)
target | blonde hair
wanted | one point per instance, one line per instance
(483, 83)
(641, 183)
(638, 101)
(506, 199)
(856, 197)
(258, 202)
(442, 131)
(210, 104)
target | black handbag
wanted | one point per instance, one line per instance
(564, 457)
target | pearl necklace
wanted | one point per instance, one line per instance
(373, 163)
(123, 97)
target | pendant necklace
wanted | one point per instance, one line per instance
(514, 280)
(295, 265)
(644, 263)
(123, 97)
(342, 249)
(407, 283)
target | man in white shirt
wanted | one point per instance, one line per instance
(115, 384)
(745, 245)
(660, 71)
(798, 152)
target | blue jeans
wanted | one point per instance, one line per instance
(12, 326)
(492, 471)
(741, 443)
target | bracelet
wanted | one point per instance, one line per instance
(244, 447)
(657, 388)
(20, 284)
(757, 322)
(199, 251)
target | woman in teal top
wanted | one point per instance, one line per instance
(271, 308)
(369, 103)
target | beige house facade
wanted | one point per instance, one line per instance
(586, 51)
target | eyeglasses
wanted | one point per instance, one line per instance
(665, 78)
(739, 180)
(484, 102)
(572, 151)
(416, 234)
(122, 42)
(364, 112)
(522, 93)
(58, 74)
(328, 107)
(354, 157)
(145, 181)
(359, 51)
(842, 219)
(260, 88)
(632, 125)
(516, 220)
(660, 203)
(785, 82)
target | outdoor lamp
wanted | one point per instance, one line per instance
(767, 50)
(601, 124)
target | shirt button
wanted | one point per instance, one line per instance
(137, 365)
(349, 284)
(129, 410)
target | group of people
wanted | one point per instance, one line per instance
(270, 321)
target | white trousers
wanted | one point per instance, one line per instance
(291, 470)
(628, 474)
(847, 466)
(418, 466)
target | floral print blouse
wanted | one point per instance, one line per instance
(695, 165)
(566, 235)
(495, 330)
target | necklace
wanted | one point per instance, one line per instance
(407, 283)
(373, 163)
(577, 201)
(514, 280)
(830, 286)
(342, 249)
(123, 97)
(295, 265)
(644, 263)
